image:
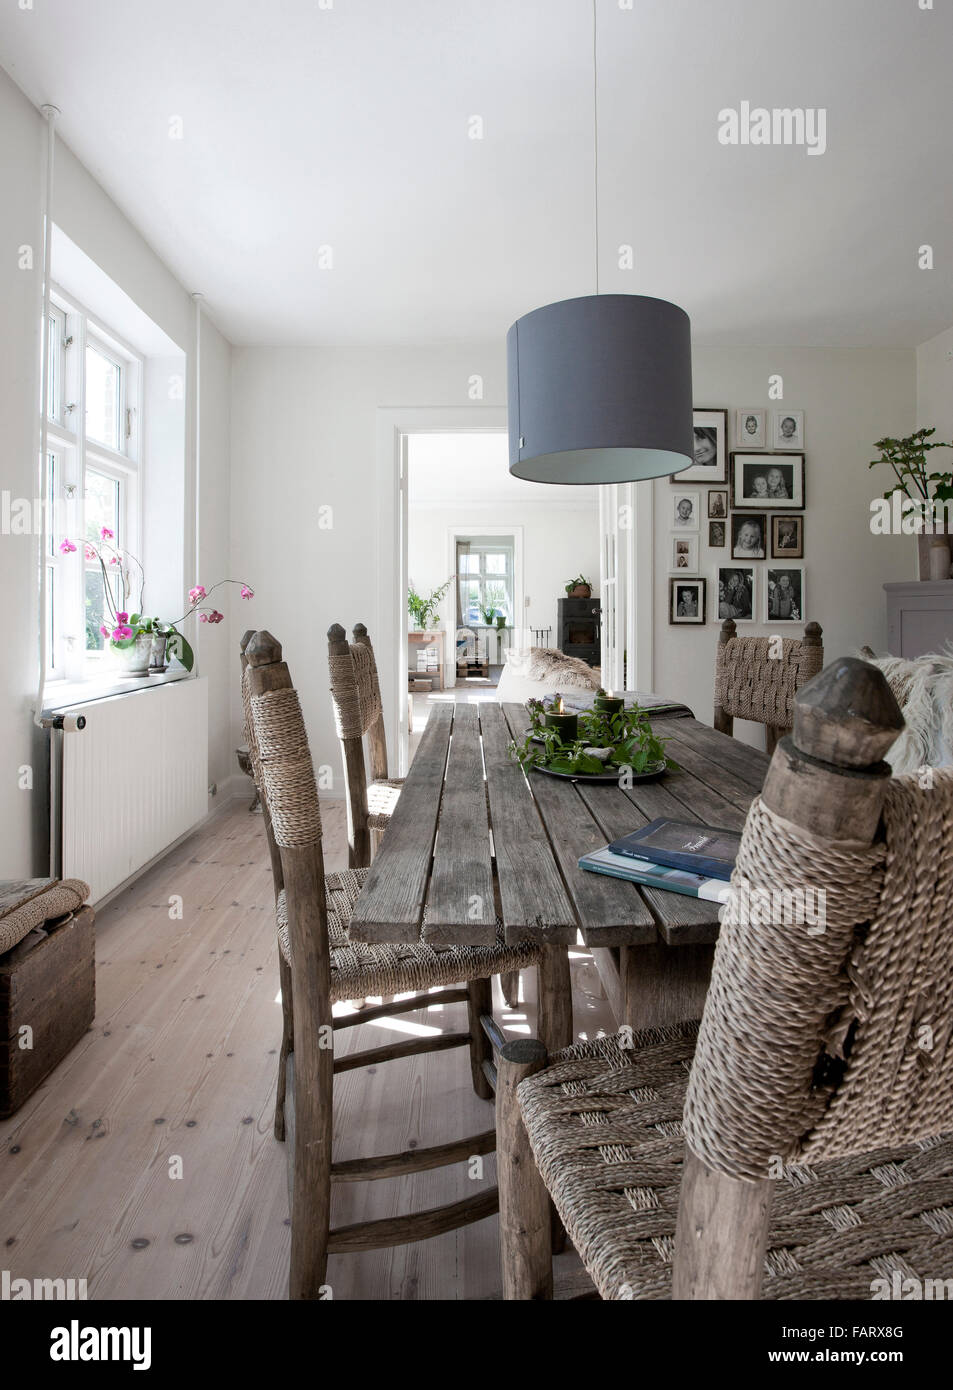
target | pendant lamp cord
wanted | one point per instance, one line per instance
(595, 143)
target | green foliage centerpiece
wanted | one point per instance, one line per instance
(611, 744)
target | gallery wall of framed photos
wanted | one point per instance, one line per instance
(736, 517)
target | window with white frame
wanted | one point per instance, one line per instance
(92, 485)
(484, 579)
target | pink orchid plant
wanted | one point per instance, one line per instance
(127, 627)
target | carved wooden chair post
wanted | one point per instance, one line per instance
(356, 699)
(754, 681)
(322, 966)
(804, 1155)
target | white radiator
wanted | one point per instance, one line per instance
(132, 782)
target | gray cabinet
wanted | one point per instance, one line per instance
(919, 617)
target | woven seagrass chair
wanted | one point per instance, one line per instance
(322, 966)
(750, 683)
(803, 1154)
(358, 711)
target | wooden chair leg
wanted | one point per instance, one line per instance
(554, 1024)
(525, 1245)
(510, 984)
(287, 1044)
(479, 1002)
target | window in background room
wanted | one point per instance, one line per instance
(93, 410)
(484, 578)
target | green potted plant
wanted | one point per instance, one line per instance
(927, 491)
(423, 610)
(580, 587)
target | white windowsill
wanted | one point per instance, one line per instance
(60, 695)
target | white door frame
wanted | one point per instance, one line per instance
(390, 620)
(476, 528)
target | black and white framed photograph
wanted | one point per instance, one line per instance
(718, 504)
(784, 595)
(749, 531)
(751, 429)
(717, 534)
(711, 449)
(767, 481)
(788, 429)
(787, 537)
(685, 511)
(686, 601)
(734, 593)
(684, 554)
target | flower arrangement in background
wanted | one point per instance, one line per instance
(126, 628)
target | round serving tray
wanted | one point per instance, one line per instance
(649, 775)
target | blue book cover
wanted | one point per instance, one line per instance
(699, 849)
(643, 871)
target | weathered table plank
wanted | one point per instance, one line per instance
(390, 907)
(704, 768)
(533, 900)
(608, 909)
(460, 898)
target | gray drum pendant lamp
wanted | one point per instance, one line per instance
(599, 389)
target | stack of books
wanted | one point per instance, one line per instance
(678, 856)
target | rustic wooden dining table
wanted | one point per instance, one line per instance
(474, 839)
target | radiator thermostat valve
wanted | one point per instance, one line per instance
(69, 723)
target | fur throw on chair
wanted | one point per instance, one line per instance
(551, 665)
(924, 691)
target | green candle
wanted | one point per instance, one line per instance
(608, 704)
(565, 724)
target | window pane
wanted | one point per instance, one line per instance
(496, 564)
(102, 506)
(103, 397)
(53, 357)
(50, 616)
(97, 612)
(51, 501)
(470, 564)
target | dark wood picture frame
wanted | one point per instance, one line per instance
(700, 586)
(787, 552)
(739, 519)
(764, 461)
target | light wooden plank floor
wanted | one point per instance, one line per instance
(178, 1074)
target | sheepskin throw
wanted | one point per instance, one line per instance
(924, 691)
(551, 665)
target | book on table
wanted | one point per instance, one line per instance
(649, 875)
(705, 850)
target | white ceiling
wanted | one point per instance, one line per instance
(450, 469)
(347, 126)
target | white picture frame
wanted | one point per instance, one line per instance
(722, 606)
(683, 520)
(791, 421)
(751, 429)
(775, 603)
(683, 557)
(710, 433)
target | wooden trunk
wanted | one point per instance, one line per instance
(51, 990)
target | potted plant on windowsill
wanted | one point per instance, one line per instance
(140, 641)
(930, 498)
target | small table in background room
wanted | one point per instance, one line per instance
(653, 949)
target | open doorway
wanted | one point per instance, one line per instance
(488, 558)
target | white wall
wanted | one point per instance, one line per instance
(559, 542)
(304, 436)
(935, 390)
(94, 223)
(850, 398)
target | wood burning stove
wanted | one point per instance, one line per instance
(578, 627)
